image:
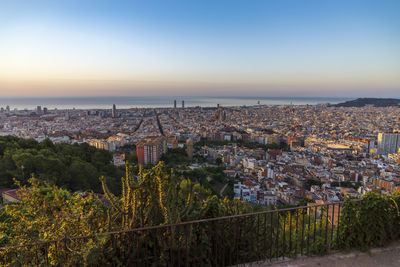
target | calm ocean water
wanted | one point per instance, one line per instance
(157, 101)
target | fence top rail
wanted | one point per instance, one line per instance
(163, 226)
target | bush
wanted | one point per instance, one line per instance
(374, 221)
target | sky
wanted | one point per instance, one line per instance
(335, 48)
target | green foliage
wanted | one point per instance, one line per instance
(130, 152)
(159, 196)
(311, 182)
(73, 167)
(156, 196)
(251, 145)
(347, 184)
(176, 156)
(304, 201)
(372, 222)
(205, 142)
(272, 146)
(48, 212)
(212, 178)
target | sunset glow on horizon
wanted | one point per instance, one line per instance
(266, 48)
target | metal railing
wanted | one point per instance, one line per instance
(221, 241)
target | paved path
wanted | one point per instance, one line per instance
(378, 257)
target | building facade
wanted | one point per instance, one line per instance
(388, 143)
(151, 149)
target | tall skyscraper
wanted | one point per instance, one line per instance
(220, 114)
(388, 143)
(175, 103)
(39, 109)
(183, 104)
(114, 111)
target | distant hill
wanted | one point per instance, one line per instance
(377, 102)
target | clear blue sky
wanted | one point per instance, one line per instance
(260, 48)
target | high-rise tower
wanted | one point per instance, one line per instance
(388, 143)
(114, 111)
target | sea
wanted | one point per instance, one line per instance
(31, 103)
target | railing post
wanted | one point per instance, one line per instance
(171, 247)
(315, 222)
(284, 236)
(332, 222)
(271, 243)
(297, 232)
(187, 244)
(302, 231)
(277, 235)
(258, 237)
(326, 225)
(290, 233)
(265, 236)
(338, 224)
(215, 224)
(309, 229)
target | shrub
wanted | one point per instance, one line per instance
(373, 221)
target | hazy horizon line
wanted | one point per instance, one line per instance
(194, 96)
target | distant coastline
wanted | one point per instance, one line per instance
(158, 101)
(122, 102)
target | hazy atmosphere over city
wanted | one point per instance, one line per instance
(200, 133)
(336, 48)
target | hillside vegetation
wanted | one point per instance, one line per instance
(74, 167)
(377, 102)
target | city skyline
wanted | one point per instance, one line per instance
(272, 48)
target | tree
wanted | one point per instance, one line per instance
(154, 196)
(272, 146)
(310, 182)
(304, 202)
(56, 164)
(47, 212)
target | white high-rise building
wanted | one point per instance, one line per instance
(388, 143)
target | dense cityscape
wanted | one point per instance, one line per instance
(276, 155)
(200, 133)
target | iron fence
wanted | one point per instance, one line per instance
(222, 241)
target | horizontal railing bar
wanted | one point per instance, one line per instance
(148, 228)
